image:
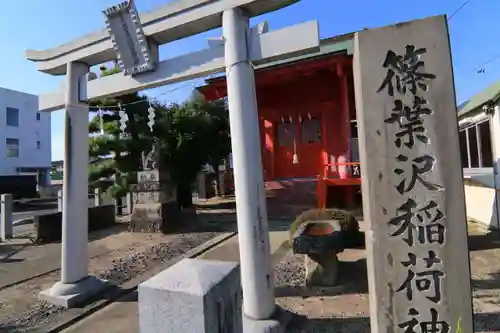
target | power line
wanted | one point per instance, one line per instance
(458, 9)
(480, 69)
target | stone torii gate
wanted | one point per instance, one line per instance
(239, 48)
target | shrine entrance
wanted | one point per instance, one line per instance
(309, 93)
(138, 57)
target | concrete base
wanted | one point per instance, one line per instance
(70, 295)
(276, 324)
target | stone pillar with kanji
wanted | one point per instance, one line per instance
(412, 181)
(154, 198)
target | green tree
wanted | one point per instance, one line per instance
(178, 132)
(192, 134)
(112, 154)
(188, 135)
(216, 133)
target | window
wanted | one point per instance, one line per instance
(286, 134)
(12, 117)
(464, 153)
(485, 142)
(38, 116)
(475, 146)
(354, 129)
(311, 131)
(38, 144)
(354, 150)
(12, 147)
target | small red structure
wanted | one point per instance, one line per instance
(307, 124)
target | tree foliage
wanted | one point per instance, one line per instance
(113, 155)
(188, 135)
(216, 133)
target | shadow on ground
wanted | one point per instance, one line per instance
(492, 282)
(484, 241)
(13, 329)
(7, 251)
(351, 325)
(221, 217)
(67, 318)
(218, 205)
(487, 322)
(119, 227)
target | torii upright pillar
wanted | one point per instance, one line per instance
(75, 284)
(257, 277)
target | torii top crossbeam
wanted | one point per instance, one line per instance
(173, 21)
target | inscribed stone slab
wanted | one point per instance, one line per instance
(413, 195)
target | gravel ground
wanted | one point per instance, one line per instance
(113, 268)
(337, 309)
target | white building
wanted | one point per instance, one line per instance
(25, 136)
(479, 124)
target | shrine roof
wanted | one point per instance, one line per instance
(342, 43)
(490, 94)
(337, 44)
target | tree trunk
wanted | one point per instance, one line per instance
(184, 196)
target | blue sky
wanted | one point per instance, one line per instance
(41, 24)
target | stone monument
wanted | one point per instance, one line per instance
(194, 295)
(413, 193)
(154, 199)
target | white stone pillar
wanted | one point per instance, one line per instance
(257, 277)
(97, 197)
(6, 229)
(60, 195)
(130, 202)
(75, 181)
(202, 186)
(75, 284)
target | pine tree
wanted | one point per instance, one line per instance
(115, 156)
(187, 135)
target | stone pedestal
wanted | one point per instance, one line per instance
(193, 295)
(154, 204)
(319, 241)
(322, 269)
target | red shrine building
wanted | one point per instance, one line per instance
(307, 125)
